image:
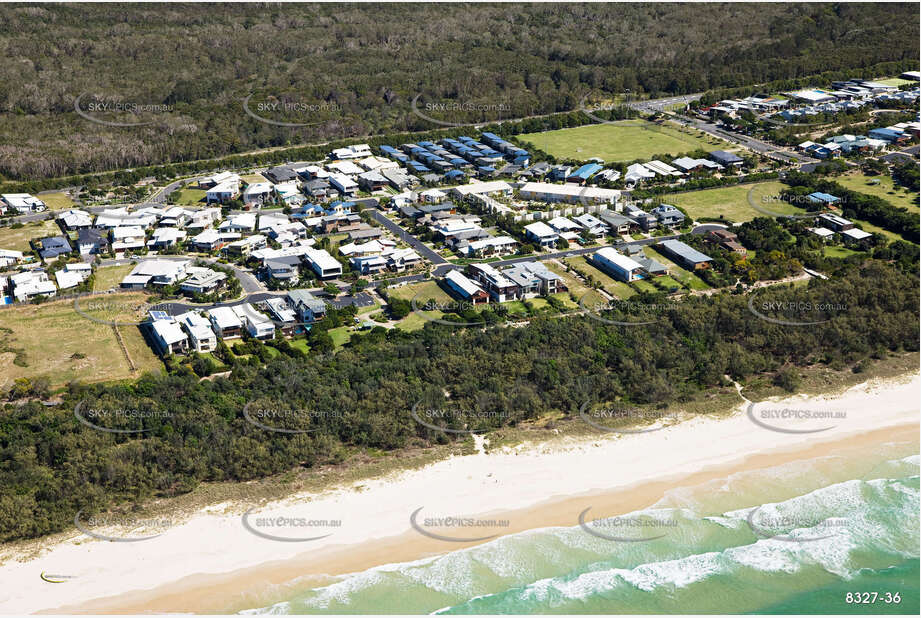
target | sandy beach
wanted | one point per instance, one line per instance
(216, 560)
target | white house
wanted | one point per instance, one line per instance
(199, 329)
(322, 263)
(257, 324)
(542, 234)
(23, 202)
(617, 265)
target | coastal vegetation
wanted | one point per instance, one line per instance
(52, 464)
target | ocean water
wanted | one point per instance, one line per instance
(799, 538)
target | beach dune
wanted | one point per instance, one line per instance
(227, 556)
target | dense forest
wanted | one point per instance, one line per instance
(52, 465)
(346, 71)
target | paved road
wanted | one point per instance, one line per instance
(408, 238)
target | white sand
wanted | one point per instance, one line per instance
(214, 541)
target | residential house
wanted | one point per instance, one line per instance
(617, 265)
(168, 337)
(685, 255)
(255, 323)
(246, 245)
(499, 287)
(164, 237)
(23, 202)
(9, 257)
(323, 264)
(834, 222)
(75, 219)
(668, 215)
(225, 322)
(201, 336)
(284, 316)
(568, 193)
(51, 248)
(542, 234)
(465, 287)
(31, 284)
(202, 280)
(592, 224)
(156, 272)
(534, 279)
(308, 307)
(91, 241)
(257, 193)
(283, 269)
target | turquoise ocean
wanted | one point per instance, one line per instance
(827, 529)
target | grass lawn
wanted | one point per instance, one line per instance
(253, 178)
(341, 336)
(731, 203)
(838, 252)
(516, 307)
(424, 289)
(667, 282)
(108, 277)
(57, 200)
(564, 298)
(685, 277)
(614, 287)
(895, 81)
(63, 346)
(414, 321)
(644, 286)
(188, 197)
(886, 189)
(621, 141)
(17, 239)
(583, 294)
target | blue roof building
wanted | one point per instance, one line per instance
(585, 172)
(823, 198)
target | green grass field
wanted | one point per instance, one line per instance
(895, 81)
(731, 203)
(63, 346)
(583, 293)
(621, 141)
(56, 201)
(885, 189)
(17, 239)
(188, 197)
(108, 277)
(422, 291)
(838, 252)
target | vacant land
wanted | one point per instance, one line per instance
(108, 277)
(620, 141)
(188, 197)
(57, 200)
(882, 187)
(732, 203)
(56, 342)
(422, 292)
(612, 286)
(838, 252)
(583, 293)
(17, 239)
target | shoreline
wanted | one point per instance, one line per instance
(210, 563)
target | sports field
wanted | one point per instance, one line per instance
(732, 203)
(881, 186)
(625, 140)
